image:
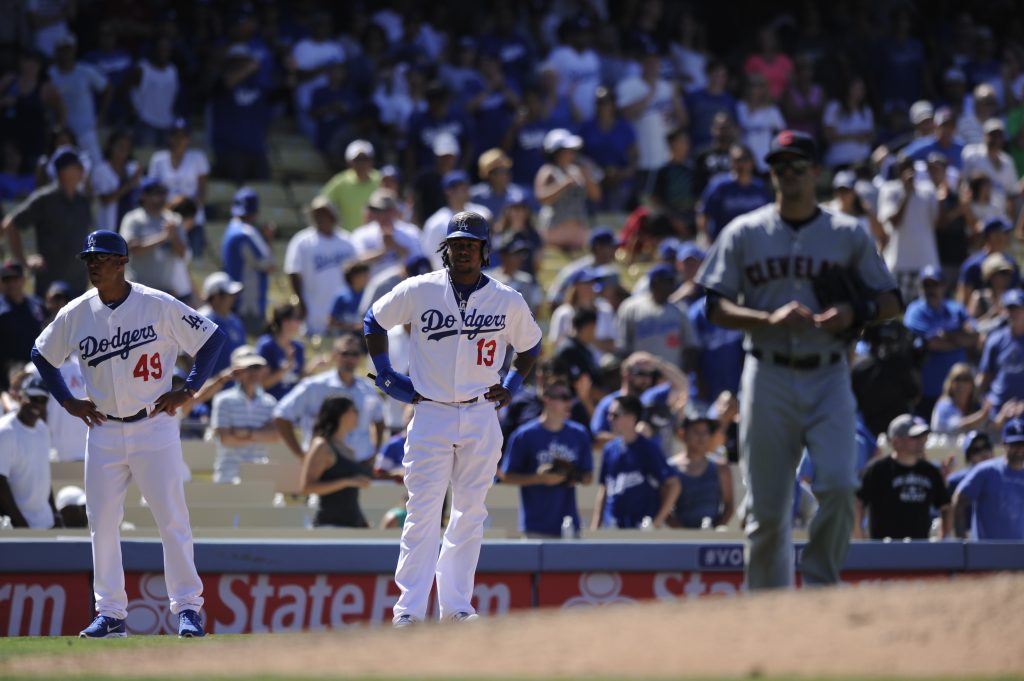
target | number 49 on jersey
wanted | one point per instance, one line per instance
(148, 367)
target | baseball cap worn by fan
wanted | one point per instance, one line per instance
(356, 149)
(104, 241)
(382, 199)
(932, 273)
(559, 139)
(454, 179)
(1013, 431)
(152, 185)
(995, 225)
(661, 271)
(844, 179)
(1013, 298)
(688, 250)
(921, 111)
(246, 202)
(907, 425)
(993, 264)
(64, 156)
(71, 495)
(415, 265)
(976, 441)
(11, 269)
(33, 386)
(245, 356)
(220, 282)
(793, 142)
(602, 236)
(446, 144)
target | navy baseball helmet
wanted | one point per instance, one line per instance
(104, 241)
(468, 225)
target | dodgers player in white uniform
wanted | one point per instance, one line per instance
(795, 390)
(127, 338)
(462, 324)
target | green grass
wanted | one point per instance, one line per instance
(66, 645)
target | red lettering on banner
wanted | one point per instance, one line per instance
(252, 603)
(44, 604)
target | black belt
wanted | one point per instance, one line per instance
(805, 362)
(130, 419)
(427, 399)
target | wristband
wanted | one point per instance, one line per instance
(381, 362)
(513, 381)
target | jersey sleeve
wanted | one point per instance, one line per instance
(869, 264)
(290, 407)
(396, 306)
(989, 363)
(721, 270)
(54, 342)
(189, 329)
(524, 332)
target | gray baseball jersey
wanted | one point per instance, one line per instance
(762, 263)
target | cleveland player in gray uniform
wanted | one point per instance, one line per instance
(795, 391)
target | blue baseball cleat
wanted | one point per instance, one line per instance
(104, 627)
(190, 625)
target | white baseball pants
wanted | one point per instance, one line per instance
(148, 451)
(445, 442)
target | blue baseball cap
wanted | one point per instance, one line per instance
(179, 125)
(602, 235)
(996, 224)
(1013, 298)
(65, 156)
(584, 275)
(690, 250)
(415, 265)
(932, 273)
(455, 178)
(246, 202)
(976, 441)
(152, 184)
(467, 225)
(661, 271)
(668, 248)
(1013, 431)
(104, 241)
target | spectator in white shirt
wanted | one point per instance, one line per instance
(155, 93)
(25, 493)
(242, 417)
(908, 211)
(184, 171)
(990, 158)
(385, 240)
(310, 59)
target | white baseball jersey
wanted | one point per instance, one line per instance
(452, 359)
(369, 238)
(436, 228)
(319, 260)
(25, 462)
(126, 354)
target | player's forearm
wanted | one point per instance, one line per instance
(595, 521)
(732, 315)
(14, 240)
(521, 479)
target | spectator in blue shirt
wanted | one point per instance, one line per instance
(720, 356)
(496, 191)
(996, 489)
(509, 45)
(610, 141)
(1002, 359)
(948, 333)
(220, 293)
(636, 483)
(977, 448)
(944, 142)
(492, 100)
(547, 458)
(240, 118)
(728, 197)
(705, 103)
(248, 258)
(285, 355)
(959, 409)
(996, 232)
(639, 373)
(524, 140)
(706, 496)
(439, 117)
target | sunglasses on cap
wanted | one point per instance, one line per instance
(799, 166)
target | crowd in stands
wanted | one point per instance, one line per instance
(609, 140)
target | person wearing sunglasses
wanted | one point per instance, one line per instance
(302, 404)
(795, 387)
(547, 458)
(636, 482)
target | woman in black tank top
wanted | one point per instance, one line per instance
(330, 469)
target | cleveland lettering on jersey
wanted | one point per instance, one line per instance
(474, 324)
(121, 342)
(797, 266)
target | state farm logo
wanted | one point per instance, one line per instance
(151, 612)
(598, 589)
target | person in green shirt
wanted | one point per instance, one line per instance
(350, 189)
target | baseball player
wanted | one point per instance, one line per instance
(795, 388)
(462, 324)
(127, 338)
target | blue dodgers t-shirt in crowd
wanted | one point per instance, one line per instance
(997, 492)
(423, 128)
(608, 147)
(1003, 357)
(599, 421)
(268, 348)
(702, 107)
(632, 476)
(724, 199)
(929, 322)
(235, 332)
(543, 507)
(720, 363)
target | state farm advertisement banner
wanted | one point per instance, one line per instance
(576, 589)
(44, 604)
(248, 603)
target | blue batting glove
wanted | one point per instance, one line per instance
(396, 385)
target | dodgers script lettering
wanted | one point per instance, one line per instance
(438, 325)
(120, 344)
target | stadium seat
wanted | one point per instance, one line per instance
(230, 517)
(304, 192)
(284, 476)
(201, 493)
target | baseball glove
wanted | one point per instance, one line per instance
(562, 467)
(837, 285)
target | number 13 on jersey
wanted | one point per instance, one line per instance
(485, 350)
(148, 367)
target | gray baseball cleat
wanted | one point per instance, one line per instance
(404, 622)
(465, 617)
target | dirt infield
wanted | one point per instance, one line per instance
(968, 626)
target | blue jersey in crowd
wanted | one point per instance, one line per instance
(702, 107)
(920, 148)
(345, 307)
(543, 507)
(240, 116)
(528, 152)
(720, 363)
(599, 420)
(725, 198)
(232, 327)
(608, 147)
(423, 128)
(997, 492)
(493, 117)
(1003, 357)
(268, 348)
(632, 476)
(929, 321)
